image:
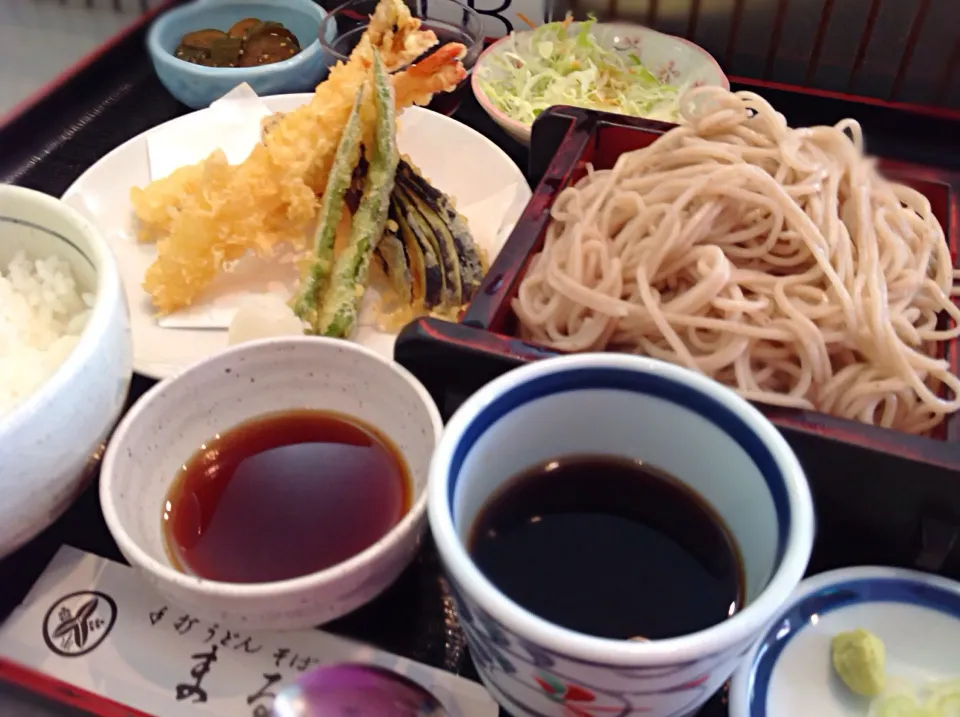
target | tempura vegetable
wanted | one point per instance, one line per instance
(440, 257)
(423, 262)
(315, 282)
(341, 303)
(469, 261)
(432, 243)
(396, 266)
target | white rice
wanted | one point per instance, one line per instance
(41, 316)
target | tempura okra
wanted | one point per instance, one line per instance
(314, 285)
(341, 303)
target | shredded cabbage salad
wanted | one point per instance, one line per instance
(558, 64)
(901, 699)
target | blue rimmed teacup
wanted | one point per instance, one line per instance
(700, 432)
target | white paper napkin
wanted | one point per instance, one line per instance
(142, 651)
(232, 124)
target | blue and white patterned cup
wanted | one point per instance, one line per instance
(690, 426)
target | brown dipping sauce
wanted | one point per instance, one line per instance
(284, 495)
(248, 43)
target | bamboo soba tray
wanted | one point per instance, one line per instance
(883, 482)
(599, 138)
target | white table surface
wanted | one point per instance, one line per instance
(39, 39)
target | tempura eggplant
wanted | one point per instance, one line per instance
(431, 233)
(469, 260)
(395, 265)
(424, 266)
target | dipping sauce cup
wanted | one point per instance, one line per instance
(178, 416)
(637, 408)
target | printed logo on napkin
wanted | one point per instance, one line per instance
(77, 623)
(96, 625)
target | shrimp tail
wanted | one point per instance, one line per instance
(439, 72)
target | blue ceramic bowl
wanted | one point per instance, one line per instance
(197, 86)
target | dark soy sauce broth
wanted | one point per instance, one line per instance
(284, 495)
(609, 547)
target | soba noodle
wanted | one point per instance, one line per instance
(772, 259)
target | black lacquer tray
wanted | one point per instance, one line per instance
(115, 96)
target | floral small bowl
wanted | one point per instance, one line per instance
(672, 60)
(197, 86)
(637, 408)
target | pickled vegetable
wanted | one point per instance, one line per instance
(264, 48)
(192, 54)
(929, 700)
(202, 39)
(859, 657)
(273, 28)
(248, 43)
(242, 27)
(226, 52)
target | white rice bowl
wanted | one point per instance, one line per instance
(65, 357)
(42, 314)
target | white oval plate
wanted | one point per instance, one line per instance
(457, 159)
(788, 673)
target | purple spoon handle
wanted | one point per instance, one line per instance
(353, 690)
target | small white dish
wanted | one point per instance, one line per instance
(457, 160)
(176, 416)
(788, 673)
(47, 440)
(673, 60)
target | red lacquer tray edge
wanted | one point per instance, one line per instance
(63, 692)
